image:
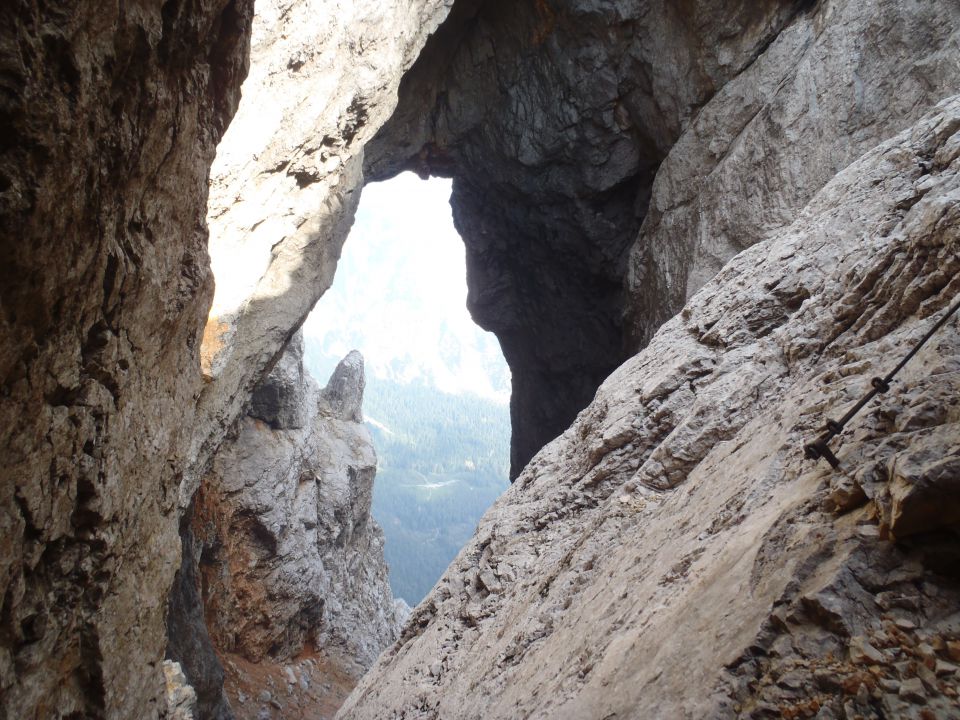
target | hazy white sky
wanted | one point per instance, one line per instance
(399, 295)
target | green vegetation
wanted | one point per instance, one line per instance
(442, 461)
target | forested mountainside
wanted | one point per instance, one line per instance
(442, 460)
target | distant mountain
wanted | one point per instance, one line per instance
(437, 385)
(442, 461)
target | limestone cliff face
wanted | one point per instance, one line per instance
(553, 117)
(834, 83)
(291, 556)
(609, 156)
(288, 563)
(109, 117)
(287, 180)
(673, 554)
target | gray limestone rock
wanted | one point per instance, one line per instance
(286, 182)
(342, 398)
(836, 81)
(668, 556)
(110, 114)
(554, 117)
(280, 398)
(677, 498)
(181, 700)
(291, 557)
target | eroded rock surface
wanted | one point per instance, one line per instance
(290, 561)
(287, 180)
(673, 554)
(834, 83)
(553, 117)
(109, 117)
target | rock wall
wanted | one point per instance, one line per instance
(289, 562)
(836, 81)
(554, 116)
(590, 142)
(287, 180)
(673, 554)
(109, 117)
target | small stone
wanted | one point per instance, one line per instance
(893, 706)
(241, 698)
(927, 677)
(905, 624)
(288, 673)
(845, 495)
(792, 680)
(863, 695)
(434, 669)
(863, 653)
(890, 685)
(944, 668)
(490, 582)
(264, 697)
(276, 704)
(926, 651)
(906, 669)
(912, 690)
(953, 650)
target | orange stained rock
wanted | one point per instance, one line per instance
(214, 334)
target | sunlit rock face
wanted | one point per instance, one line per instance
(838, 80)
(287, 180)
(553, 117)
(288, 563)
(673, 554)
(109, 117)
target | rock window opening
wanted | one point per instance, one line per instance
(437, 386)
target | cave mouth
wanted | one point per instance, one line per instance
(437, 385)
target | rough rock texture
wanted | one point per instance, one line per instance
(109, 116)
(181, 697)
(189, 645)
(833, 84)
(553, 116)
(286, 181)
(674, 555)
(290, 560)
(280, 400)
(283, 191)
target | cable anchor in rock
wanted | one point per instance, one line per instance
(820, 448)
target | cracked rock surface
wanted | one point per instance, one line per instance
(553, 118)
(109, 117)
(289, 559)
(833, 83)
(287, 179)
(673, 554)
